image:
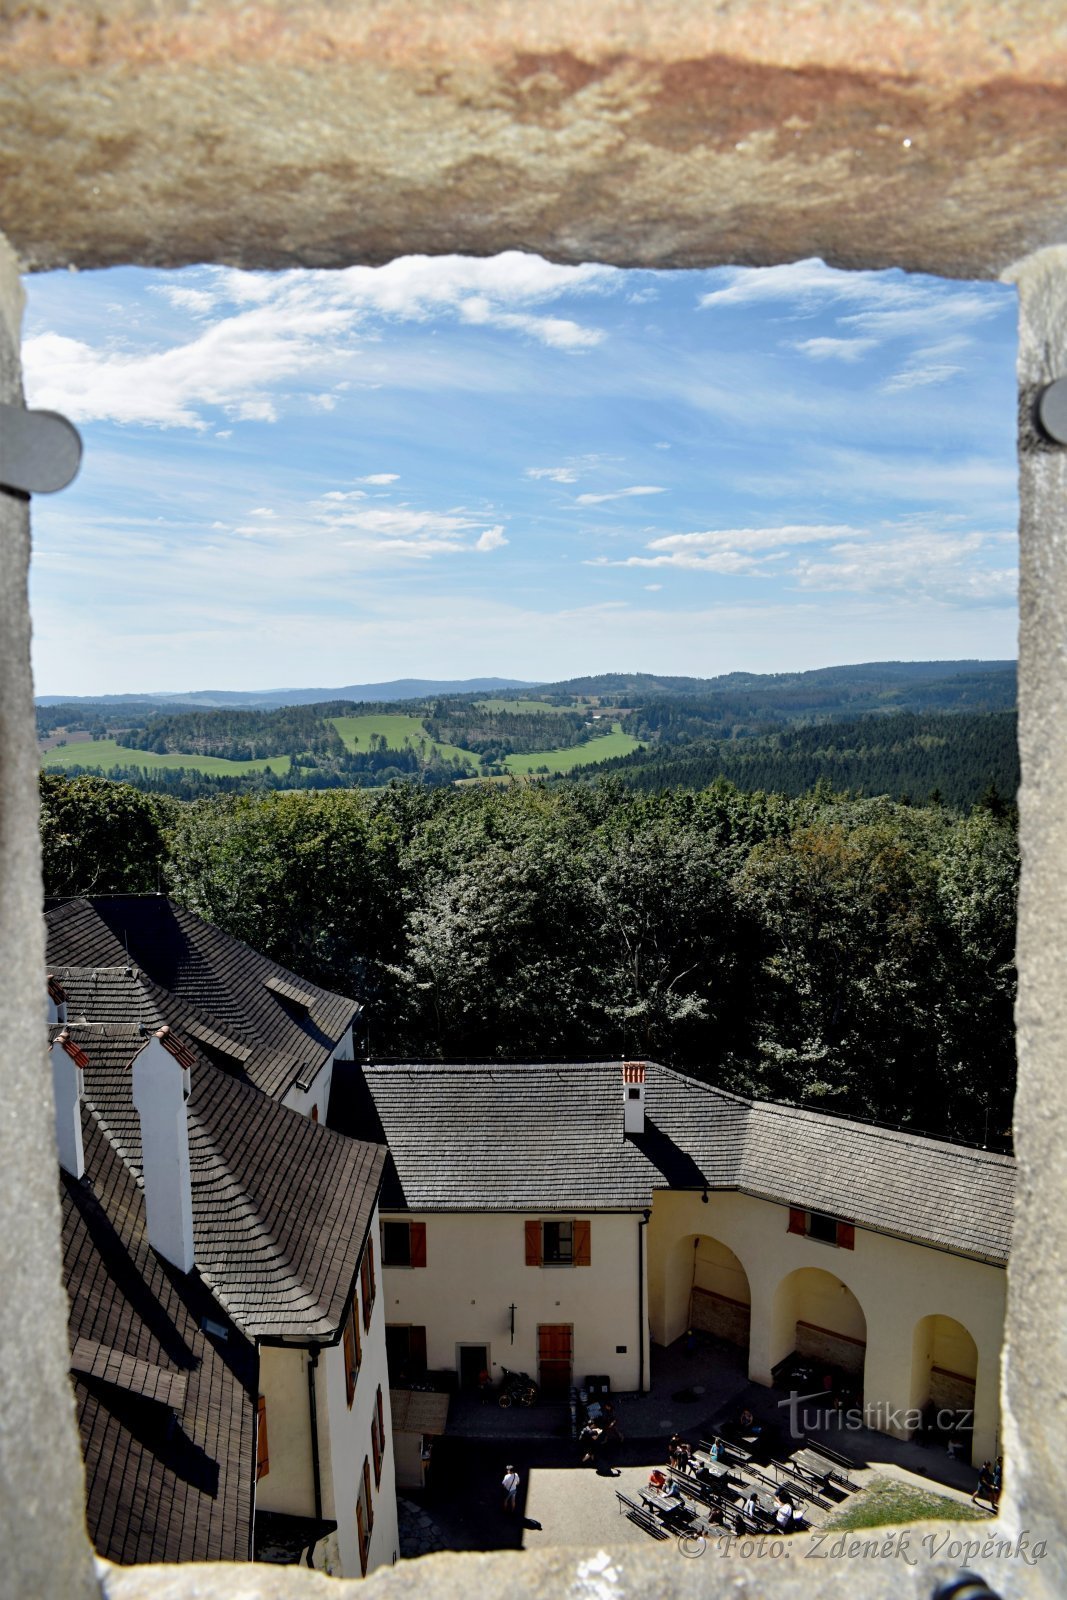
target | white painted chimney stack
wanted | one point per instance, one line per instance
(68, 1087)
(633, 1097)
(161, 1086)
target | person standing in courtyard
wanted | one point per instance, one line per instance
(510, 1486)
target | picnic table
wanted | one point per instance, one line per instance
(668, 1505)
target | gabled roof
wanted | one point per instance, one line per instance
(281, 1204)
(550, 1138)
(265, 1021)
(165, 1411)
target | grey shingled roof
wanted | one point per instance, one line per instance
(508, 1138)
(166, 1412)
(281, 1204)
(206, 984)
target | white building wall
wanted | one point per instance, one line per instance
(289, 1484)
(345, 1442)
(896, 1283)
(318, 1094)
(476, 1269)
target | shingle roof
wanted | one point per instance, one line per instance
(505, 1138)
(277, 1028)
(281, 1204)
(166, 1412)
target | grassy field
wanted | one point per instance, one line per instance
(523, 705)
(105, 754)
(615, 743)
(890, 1503)
(397, 730)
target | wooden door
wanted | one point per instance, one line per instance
(555, 1345)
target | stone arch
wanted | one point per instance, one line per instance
(711, 1290)
(817, 1317)
(944, 1367)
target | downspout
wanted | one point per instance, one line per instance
(313, 1361)
(641, 1226)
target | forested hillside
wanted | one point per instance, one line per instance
(854, 954)
(240, 735)
(954, 759)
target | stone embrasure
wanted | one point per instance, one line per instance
(665, 133)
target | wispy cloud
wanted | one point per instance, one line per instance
(379, 477)
(556, 474)
(829, 349)
(619, 494)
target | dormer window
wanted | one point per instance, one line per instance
(827, 1230)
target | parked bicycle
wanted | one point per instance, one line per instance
(516, 1389)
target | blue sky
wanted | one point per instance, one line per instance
(454, 467)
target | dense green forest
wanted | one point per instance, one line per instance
(954, 759)
(240, 735)
(493, 734)
(856, 954)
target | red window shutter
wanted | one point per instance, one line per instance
(418, 1244)
(377, 1450)
(262, 1449)
(366, 1491)
(355, 1335)
(580, 1235)
(365, 1284)
(846, 1236)
(351, 1365)
(315, 1113)
(798, 1220)
(381, 1417)
(362, 1533)
(533, 1244)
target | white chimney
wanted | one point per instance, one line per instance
(57, 1002)
(160, 1089)
(68, 1086)
(633, 1097)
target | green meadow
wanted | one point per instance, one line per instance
(397, 730)
(615, 743)
(105, 754)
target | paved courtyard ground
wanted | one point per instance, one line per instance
(562, 1502)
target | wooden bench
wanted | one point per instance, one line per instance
(637, 1514)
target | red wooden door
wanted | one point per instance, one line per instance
(555, 1344)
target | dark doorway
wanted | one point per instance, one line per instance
(473, 1361)
(405, 1351)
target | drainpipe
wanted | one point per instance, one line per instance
(313, 1361)
(641, 1319)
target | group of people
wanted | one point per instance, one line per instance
(788, 1516)
(990, 1483)
(600, 1437)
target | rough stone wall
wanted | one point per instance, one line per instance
(830, 1349)
(43, 1546)
(726, 1319)
(1035, 1376)
(653, 132)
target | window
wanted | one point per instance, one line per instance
(262, 1449)
(558, 1244)
(364, 1516)
(353, 1353)
(367, 1283)
(403, 1244)
(826, 1229)
(376, 1450)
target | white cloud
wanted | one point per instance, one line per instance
(289, 328)
(379, 477)
(491, 539)
(914, 376)
(835, 349)
(936, 566)
(619, 494)
(557, 474)
(653, 588)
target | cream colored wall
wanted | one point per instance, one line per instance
(717, 1269)
(895, 1283)
(288, 1486)
(476, 1268)
(345, 1440)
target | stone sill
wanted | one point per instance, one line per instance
(659, 1572)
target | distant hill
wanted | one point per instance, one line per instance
(958, 757)
(271, 699)
(868, 677)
